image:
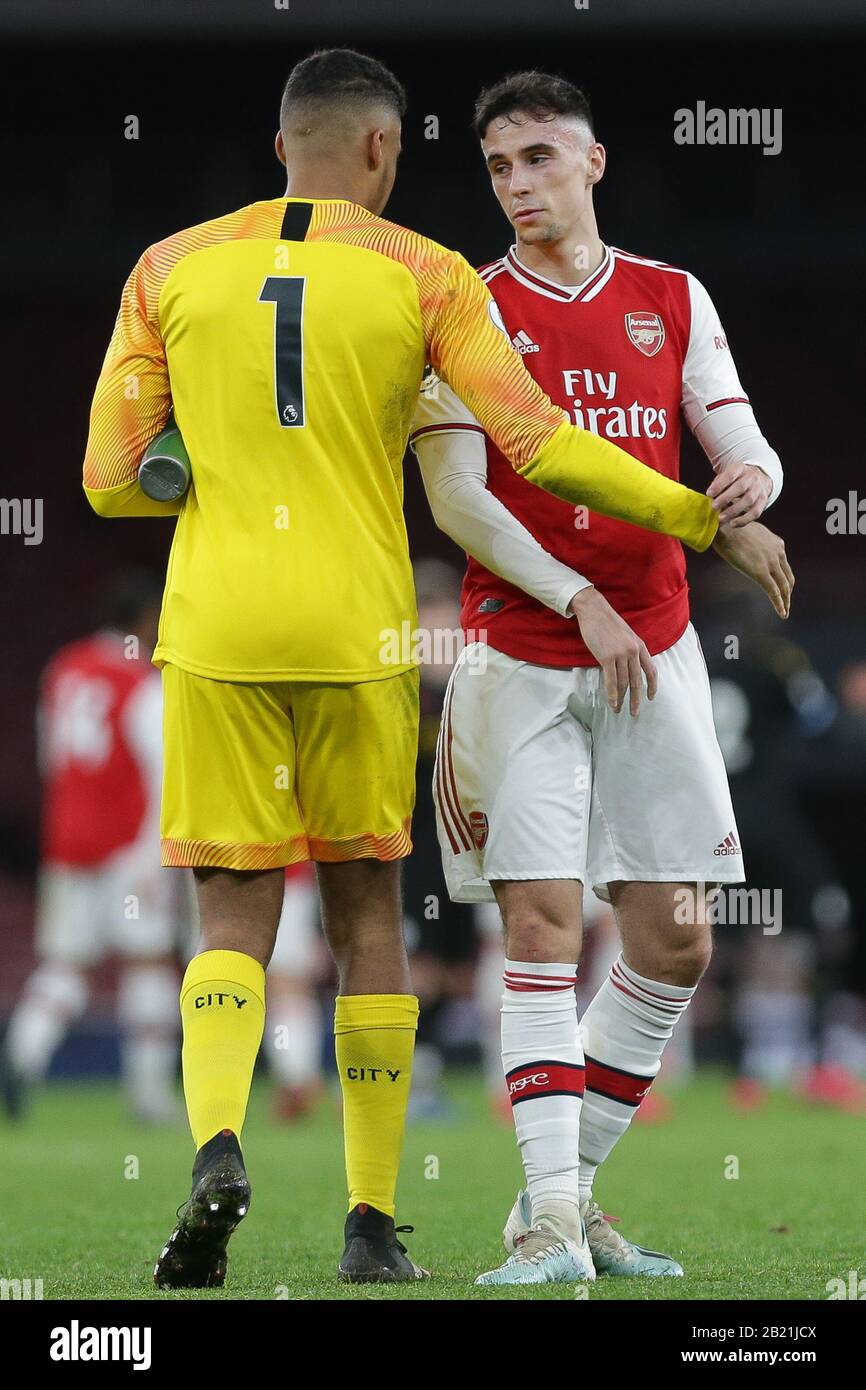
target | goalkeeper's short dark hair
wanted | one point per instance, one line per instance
(540, 95)
(341, 77)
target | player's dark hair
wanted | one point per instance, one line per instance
(539, 95)
(128, 595)
(340, 76)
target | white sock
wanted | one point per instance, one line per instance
(294, 1037)
(624, 1031)
(149, 1017)
(54, 997)
(543, 1064)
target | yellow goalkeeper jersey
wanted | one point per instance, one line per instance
(290, 339)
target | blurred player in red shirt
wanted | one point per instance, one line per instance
(544, 783)
(102, 891)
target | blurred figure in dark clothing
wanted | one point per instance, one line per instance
(832, 792)
(774, 714)
(440, 934)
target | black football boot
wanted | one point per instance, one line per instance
(373, 1254)
(194, 1257)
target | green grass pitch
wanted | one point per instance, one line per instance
(791, 1220)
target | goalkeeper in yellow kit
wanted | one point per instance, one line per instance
(290, 338)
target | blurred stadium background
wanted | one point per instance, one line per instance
(777, 240)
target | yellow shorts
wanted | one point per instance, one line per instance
(259, 776)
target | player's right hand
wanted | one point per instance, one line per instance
(620, 653)
(760, 555)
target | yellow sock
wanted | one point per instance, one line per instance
(222, 1005)
(375, 1038)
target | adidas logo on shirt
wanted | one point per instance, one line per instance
(728, 846)
(523, 342)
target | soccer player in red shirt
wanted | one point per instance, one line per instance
(544, 783)
(102, 892)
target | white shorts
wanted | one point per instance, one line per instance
(296, 949)
(129, 906)
(536, 777)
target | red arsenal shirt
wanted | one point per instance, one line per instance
(629, 352)
(99, 732)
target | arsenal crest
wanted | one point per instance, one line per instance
(646, 331)
(479, 827)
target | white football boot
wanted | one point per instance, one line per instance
(545, 1254)
(611, 1253)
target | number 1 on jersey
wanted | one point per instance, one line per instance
(287, 293)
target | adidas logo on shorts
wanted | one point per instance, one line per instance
(728, 846)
